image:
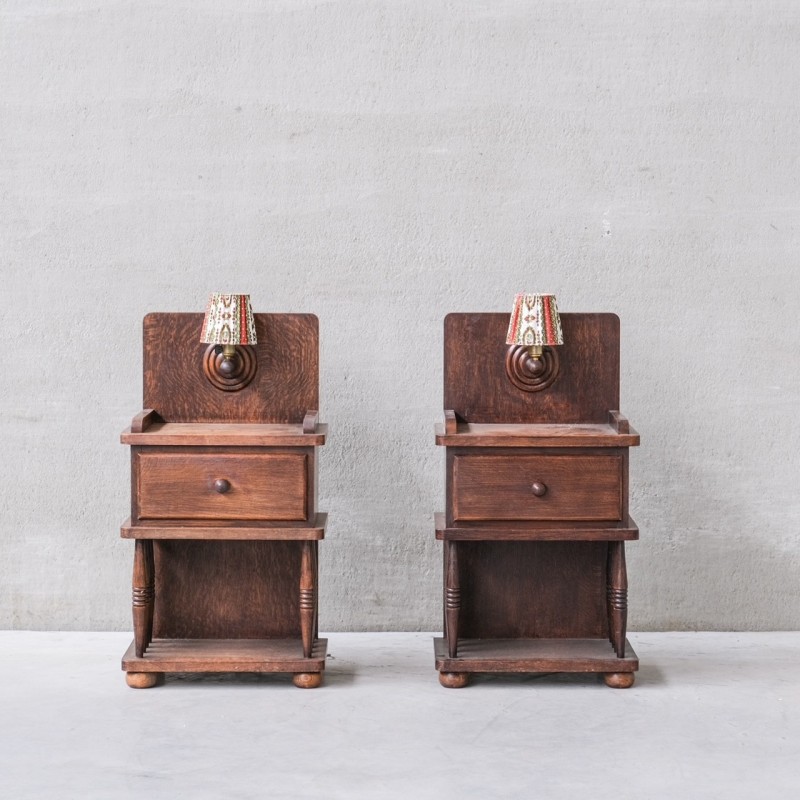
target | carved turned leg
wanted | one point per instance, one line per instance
(308, 598)
(143, 595)
(452, 598)
(150, 565)
(316, 583)
(308, 613)
(617, 597)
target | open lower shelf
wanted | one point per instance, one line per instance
(226, 655)
(534, 655)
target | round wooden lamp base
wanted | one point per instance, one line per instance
(231, 374)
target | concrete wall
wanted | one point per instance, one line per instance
(381, 164)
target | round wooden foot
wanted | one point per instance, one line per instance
(143, 680)
(619, 680)
(307, 680)
(454, 680)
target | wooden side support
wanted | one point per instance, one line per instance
(143, 420)
(452, 597)
(619, 422)
(308, 597)
(617, 592)
(450, 422)
(143, 595)
(310, 421)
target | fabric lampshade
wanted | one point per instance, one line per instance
(535, 321)
(229, 320)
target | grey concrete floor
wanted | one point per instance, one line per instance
(712, 715)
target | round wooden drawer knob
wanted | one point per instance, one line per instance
(222, 485)
(539, 489)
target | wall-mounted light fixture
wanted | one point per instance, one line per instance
(228, 328)
(533, 330)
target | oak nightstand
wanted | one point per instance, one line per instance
(223, 506)
(536, 513)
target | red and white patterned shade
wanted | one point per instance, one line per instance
(535, 321)
(229, 320)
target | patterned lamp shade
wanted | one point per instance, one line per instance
(229, 320)
(535, 321)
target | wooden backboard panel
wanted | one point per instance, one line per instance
(478, 389)
(533, 590)
(285, 386)
(196, 597)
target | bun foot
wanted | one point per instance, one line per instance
(619, 680)
(454, 680)
(143, 680)
(307, 680)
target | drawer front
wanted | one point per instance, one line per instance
(255, 486)
(532, 487)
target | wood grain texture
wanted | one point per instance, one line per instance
(452, 597)
(285, 385)
(227, 590)
(537, 487)
(477, 388)
(511, 453)
(533, 590)
(182, 484)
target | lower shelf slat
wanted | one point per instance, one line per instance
(534, 655)
(226, 655)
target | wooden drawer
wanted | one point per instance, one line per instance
(185, 485)
(537, 487)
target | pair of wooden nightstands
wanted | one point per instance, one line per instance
(226, 528)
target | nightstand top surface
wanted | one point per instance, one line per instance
(473, 434)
